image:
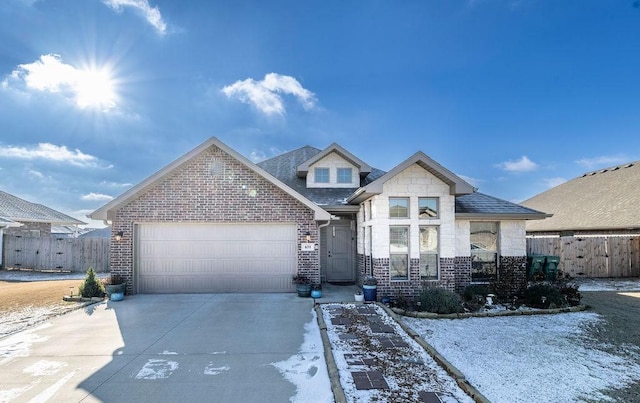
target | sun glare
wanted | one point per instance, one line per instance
(95, 89)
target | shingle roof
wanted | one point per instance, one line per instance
(17, 209)
(606, 199)
(476, 204)
(284, 167)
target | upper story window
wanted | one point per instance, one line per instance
(344, 175)
(321, 175)
(398, 207)
(428, 207)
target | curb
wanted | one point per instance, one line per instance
(439, 358)
(332, 368)
(431, 315)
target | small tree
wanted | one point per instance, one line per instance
(91, 287)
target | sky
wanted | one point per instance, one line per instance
(515, 96)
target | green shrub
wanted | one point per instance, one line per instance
(542, 295)
(474, 292)
(439, 300)
(91, 287)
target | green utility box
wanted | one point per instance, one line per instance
(535, 264)
(551, 267)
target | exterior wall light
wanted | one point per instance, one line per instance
(119, 235)
(308, 236)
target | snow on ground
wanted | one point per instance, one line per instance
(13, 322)
(608, 284)
(531, 358)
(307, 370)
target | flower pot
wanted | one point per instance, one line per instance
(316, 293)
(370, 292)
(115, 288)
(359, 297)
(304, 290)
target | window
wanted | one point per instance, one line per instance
(322, 175)
(399, 253)
(398, 207)
(484, 251)
(428, 207)
(428, 253)
(344, 175)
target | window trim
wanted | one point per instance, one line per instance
(340, 180)
(407, 228)
(496, 255)
(316, 176)
(408, 201)
(437, 200)
(436, 254)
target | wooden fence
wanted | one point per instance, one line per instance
(613, 256)
(56, 254)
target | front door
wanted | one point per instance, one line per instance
(339, 252)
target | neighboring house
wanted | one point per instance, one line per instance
(213, 221)
(602, 202)
(97, 233)
(36, 220)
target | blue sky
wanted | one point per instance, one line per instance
(516, 96)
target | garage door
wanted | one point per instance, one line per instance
(192, 258)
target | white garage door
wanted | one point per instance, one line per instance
(191, 258)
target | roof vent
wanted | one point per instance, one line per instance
(628, 165)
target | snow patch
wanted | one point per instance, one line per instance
(211, 370)
(157, 369)
(531, 358)
(307, 370)
(19, 345)
(44, 367)
(167, 352)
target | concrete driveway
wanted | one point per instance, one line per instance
(197, 347)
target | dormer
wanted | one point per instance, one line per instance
(333, 167)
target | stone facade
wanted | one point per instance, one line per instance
(211, 187)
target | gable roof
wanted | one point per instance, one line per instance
(479, 205)
(606, 199)
(13, 208)
(107, 212)
(457, 185)
(364, 168)
(285, 168)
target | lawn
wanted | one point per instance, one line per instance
(25, 303)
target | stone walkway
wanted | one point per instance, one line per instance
(378, 360)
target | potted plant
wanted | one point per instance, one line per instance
(316, 291)
(369, 286)
(303, 285)
(115, 287)
(358, 296)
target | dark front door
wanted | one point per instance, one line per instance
(339, 252)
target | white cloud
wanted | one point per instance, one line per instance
(50, 152)
(96, 197)
(524, 164)
(87, 87)
(553, 182)
(602, 161)
(151, 14)
(116, 184)
(260, 155)
(265, 94)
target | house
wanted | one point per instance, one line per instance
(35, 220)
(602, 202)
(213, 221)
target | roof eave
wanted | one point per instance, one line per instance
(107, 212)
(495, 216)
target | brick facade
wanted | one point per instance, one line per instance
(211, 187)
(43, 227)
(455, 275)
